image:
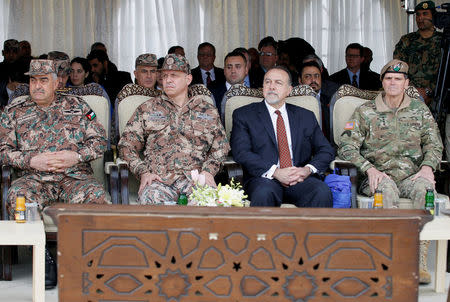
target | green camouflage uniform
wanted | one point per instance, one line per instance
(423, 57)
(28, 130)
(397, 142)
(175, 141)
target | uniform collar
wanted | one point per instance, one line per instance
(382, 107)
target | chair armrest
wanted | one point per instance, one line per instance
(347, 168)
(123, 175)
(112, 173)
(6, 183)
(234, 170)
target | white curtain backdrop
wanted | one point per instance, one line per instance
(132, 27)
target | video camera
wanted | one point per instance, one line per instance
(442, 19)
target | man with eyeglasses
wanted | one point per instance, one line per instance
(206, 73)
(268, 58)
(353, 74)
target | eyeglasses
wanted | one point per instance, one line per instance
(268, 54)
(352, 56)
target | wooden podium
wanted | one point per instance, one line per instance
(176, 253)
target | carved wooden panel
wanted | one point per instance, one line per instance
(177, 257)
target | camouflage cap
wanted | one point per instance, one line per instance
(394, 66)
(11, 45)
(41, 67)
(62, 62)
(425, 5)
(146, 59)
(176, 62)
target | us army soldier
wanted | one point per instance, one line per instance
(177, 134)
(395, 142)
(51, 138)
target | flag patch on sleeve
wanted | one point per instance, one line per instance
(91, 115)
(350, 125)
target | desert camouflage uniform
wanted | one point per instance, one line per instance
(175, 141)
(28, 130)
(397, 142)
(423, 57)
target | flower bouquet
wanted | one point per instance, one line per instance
(230, 195)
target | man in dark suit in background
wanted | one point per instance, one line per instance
(281, 148)
(310, 74)
(206, 73)
(235, 71)
(353, 74)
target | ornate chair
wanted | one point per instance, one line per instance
(240, 95)
(343, 104)
(128, 102)
(106, 173)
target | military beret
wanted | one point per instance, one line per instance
(176, 62)
(425, 5)
(41, 67)
(146, 59)
(394, 66)
(62, 62)
(11, 44)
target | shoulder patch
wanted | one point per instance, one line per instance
(350, 125)
(91, 115)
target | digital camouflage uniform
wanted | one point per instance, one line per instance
(396, 142)
(28, 130)
(174, 141)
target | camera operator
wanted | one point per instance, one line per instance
(422, 51)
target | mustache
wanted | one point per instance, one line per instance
(38, 90)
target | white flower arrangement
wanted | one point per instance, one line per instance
(230, 195)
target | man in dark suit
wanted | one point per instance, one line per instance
(353, 74)
(281, 148)
(235, 71)
(206, 73)
(310, 74)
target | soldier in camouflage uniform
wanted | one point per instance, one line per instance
(62, 64)
(395, 141)
(51, 138)
(422, 51)
(177, 135)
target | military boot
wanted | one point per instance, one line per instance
(424, 275)
(50, 270)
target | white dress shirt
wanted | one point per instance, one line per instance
(273, 117)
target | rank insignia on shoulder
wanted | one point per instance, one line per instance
(350, 125)
(91, 115)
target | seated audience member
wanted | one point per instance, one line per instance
(177, 134)
(284, 59)
(25, 53)
(79, 72)
(146, 68)
(281, 148)
(51, 138)
(106, 74)
(249, 79)
(323, 69)
(159, 84)
(235, 70)
(254, 57)
(267, 58)
(310, 75)
(353, 74)
(206, 73)
(176, 50)
(395, 144)
(16, 77)
(62, 64)
(10, 53)
(99, 46)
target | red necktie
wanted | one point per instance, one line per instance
(208, 78)
(283, 146)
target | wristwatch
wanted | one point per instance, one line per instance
(428, 92)
(80, 158)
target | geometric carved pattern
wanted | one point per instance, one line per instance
(179, 258)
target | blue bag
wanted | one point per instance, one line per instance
(340, 186)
